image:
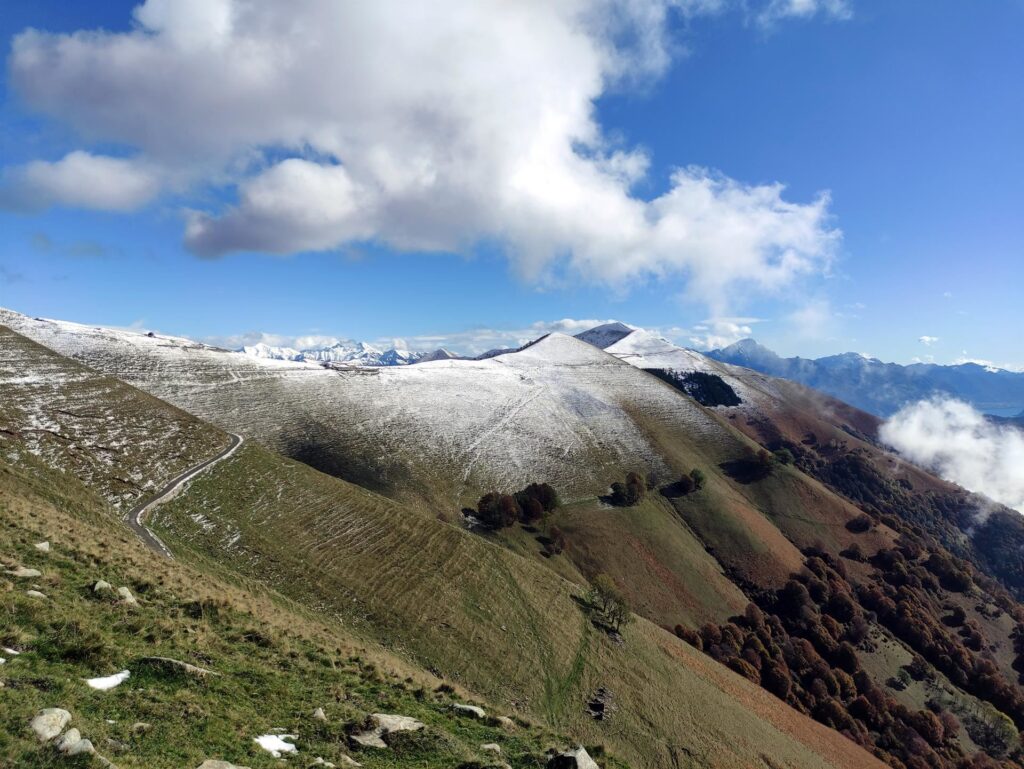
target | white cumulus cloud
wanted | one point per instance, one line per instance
(956, 441)
(423, 126)
(927, 341)
(80, 180)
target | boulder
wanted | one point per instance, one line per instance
(382, 724)
(213, 764)
(349, 761)
(42, 547)
(319, 715)
(49, 723)
(72, 744)
(469, 710)
(506, 723)
(23, 572)
(573, 759)
(35, 594)
(101, 585)
(126, 596)
(491, 747)
(141, 727)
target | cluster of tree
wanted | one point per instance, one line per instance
(801, 643)
(631, 492)
(528, 505)
(608, 604)
(687, 484)
(706, 389)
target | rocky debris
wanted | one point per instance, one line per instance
(384, 724)
(491, 747)
(42, 547)
(600, 706)
(167, 663)
(49, 723)
(23, 572)
(319, 715)
(214, 764)
(469, 710)
(573, 759)
(101, 585)
(35, 594)
(506, 723)
(126, 597)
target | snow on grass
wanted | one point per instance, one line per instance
(276, 744)
(108, 682)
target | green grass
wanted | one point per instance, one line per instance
(273, 672)
(501, 625)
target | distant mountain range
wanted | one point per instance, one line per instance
(346, 353)
(883, 388)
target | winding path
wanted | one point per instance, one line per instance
(136, 514)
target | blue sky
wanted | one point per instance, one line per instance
(908, 114)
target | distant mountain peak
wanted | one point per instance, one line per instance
(606, 334)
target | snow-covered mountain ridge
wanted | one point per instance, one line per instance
(345, 352)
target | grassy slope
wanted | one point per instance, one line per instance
(122, 442)
(278, 662)
(478, 614)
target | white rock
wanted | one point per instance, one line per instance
(35, 594)
(49, 723)
(469, 710)
(349, 761)
(506, 723)
(43, 547)
(102, 585)
(214, 764)
(385, 724)
(320, 762)
(12, 652)
(319, 715)
(72, 744)
(108, 682)
(126, 597)
(491, 747)
(23, 572)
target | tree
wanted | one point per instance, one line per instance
(533, 510)
(636, 488)
(487, 510)
(783, 456)
(698, 478)
(508, 510)
(608, 602)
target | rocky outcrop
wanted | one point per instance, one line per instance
(382, 724)
(573, 759)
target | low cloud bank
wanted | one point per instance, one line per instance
(956, 441)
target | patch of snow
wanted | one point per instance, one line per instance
(275, 744)
(108, 682)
